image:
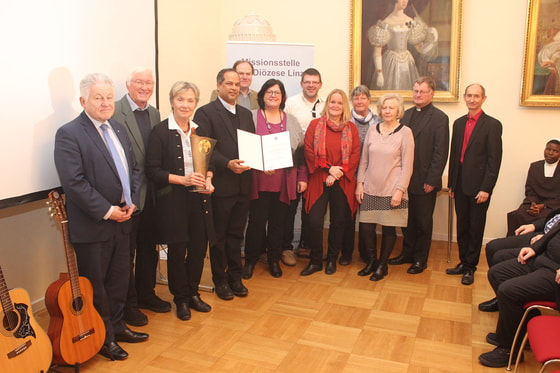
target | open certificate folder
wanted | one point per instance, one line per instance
(264, 153)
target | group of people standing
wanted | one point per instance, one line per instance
(130, 184)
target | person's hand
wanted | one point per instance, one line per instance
(557, 278)
(336, 172)
(359, 192)
(269, 172)
(330, 180)
(208, 186)
(451, 193)
(524, 229)
(548, 65)
(236, 166)
(301, 186)
(195, 179)
(482, 197)
(536, 238)
(535, 209)
(397, 198)
(428, 188)
(121, 214)
(525, 254)
(380, 80)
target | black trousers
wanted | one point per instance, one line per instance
(505, 248)
(143, 256)
(185, 260)
(267, 215)
(471, 220)
(290, 221)
(339, 214)
(230, 216)
(418, 233)
(516, 284)
(107, 266)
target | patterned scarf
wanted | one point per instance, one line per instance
(319, 141)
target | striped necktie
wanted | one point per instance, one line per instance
(123, 175)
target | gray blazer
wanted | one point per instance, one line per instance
(124, 115)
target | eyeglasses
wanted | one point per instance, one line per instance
(139, 82)
(420, 93)
(273, 93)
(307, 82)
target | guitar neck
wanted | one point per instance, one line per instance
(71, 261)
(7, 305)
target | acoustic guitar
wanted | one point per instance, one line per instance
(76, 330)
(24, 346)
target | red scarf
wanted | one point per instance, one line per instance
(319, 141)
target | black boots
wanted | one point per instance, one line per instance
(368, 238)
(387, 244)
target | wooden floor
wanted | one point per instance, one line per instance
(339, 323)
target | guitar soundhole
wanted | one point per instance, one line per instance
(78, 304)
(10, 320)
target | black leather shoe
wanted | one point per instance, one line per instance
(489, 306)
(155, 304)
(238, 289)
(468, 277)
(183, 312)
(129, 336)
(223, 291)
(380, 272)
(458, 270)
(275, 270)
(197, 304)
(416, 268)
(331, 268)
(248, 269)
(368, 269)
(497, 358)
(133, 316)
(113, 351)
(492, 339)
(401, 259)
(311, 269)
(344, 261)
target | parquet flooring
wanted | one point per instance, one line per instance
(339, 323)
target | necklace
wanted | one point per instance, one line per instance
(268, 123)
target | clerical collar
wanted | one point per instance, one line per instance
(423, 108)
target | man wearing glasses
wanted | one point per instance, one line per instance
(135, 113)
(430, 127)
(305, 106)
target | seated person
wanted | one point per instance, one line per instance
(542, 189)
(532, 276)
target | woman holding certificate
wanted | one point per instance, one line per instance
(383, 176)
(184, 216)
(273, 190)
(332, 153)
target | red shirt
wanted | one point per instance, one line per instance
(469, 127)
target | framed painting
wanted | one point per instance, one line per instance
(395, 41)
(541, 64)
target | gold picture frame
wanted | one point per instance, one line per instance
(541, 73)
(445, 16)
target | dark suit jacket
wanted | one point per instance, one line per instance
(431, 145)
(483, 155)
(124, 115)
(164, 156)
(90, 180)
(214, 121)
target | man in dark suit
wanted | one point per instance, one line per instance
(137, 116)
(430, 127)
(474, 163)
(99, 175)
(531, 276)
(220, 120)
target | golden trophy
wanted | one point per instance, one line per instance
(201, 148)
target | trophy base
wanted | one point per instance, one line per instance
(199, 190)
